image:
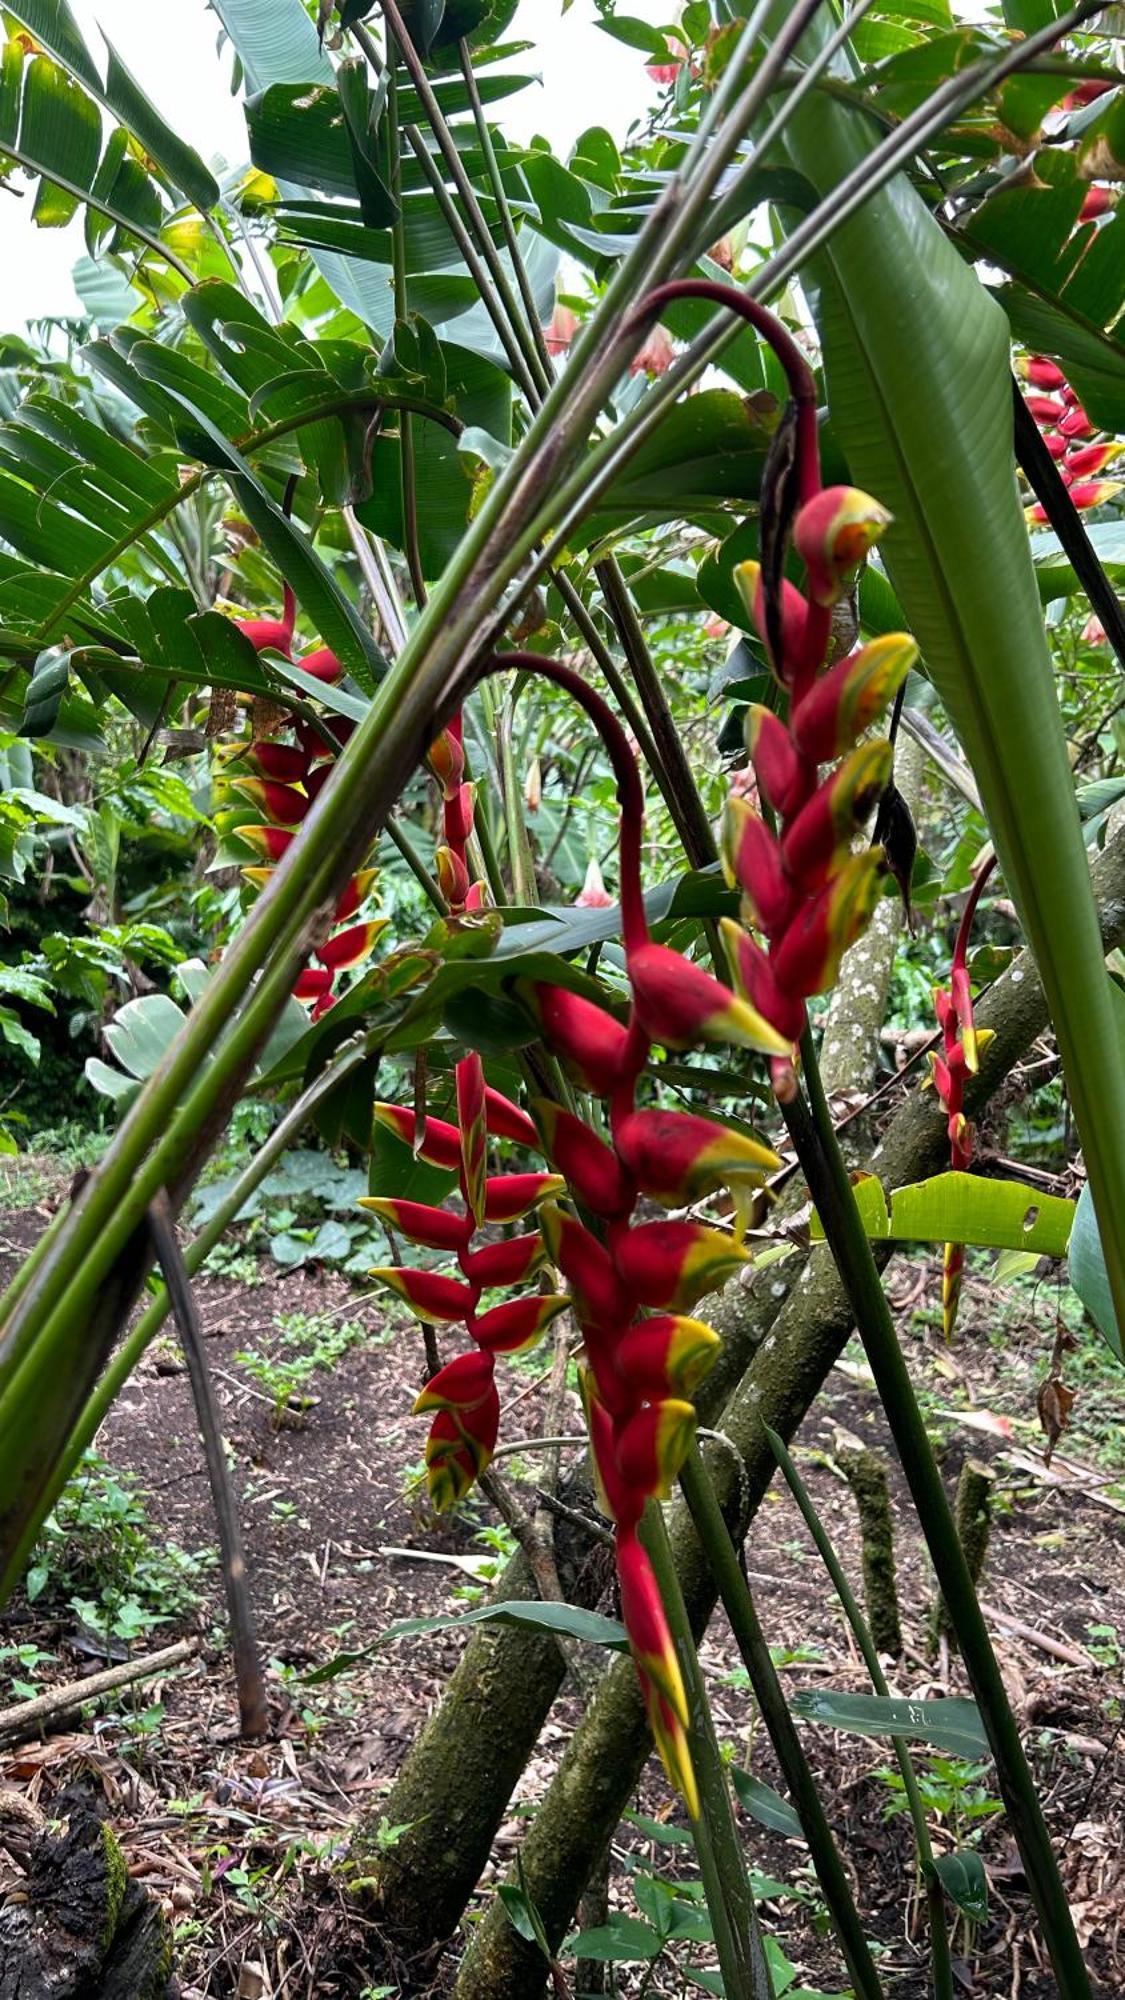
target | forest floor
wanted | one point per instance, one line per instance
(244, 1844)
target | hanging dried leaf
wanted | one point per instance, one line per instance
(895, 833)
(1055, 1402)
(779, 497)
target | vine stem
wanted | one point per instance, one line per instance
(941, 1966)
(742, 1612)
(810, 1128)
(738, 1938)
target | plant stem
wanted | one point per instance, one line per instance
(398, 263)
(738, 1602)
(738, 1938)
(810, 1128)
(941, 1966)
(500, 195)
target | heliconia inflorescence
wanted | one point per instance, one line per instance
(1067, 433)
(962, 1045)
(280, 781)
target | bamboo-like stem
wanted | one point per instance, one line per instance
(941, 1967)
(814, 1140)
(742, 1612)
(738, 1938)
(396, 833)
(504, 208)
(408, 478)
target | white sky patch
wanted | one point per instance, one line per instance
(587, 79)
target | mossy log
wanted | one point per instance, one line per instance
(782, 1336)
(81, 1929)
(867, 1477)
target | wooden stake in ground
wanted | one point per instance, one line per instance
(252, 1706)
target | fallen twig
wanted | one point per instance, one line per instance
(15, 1722)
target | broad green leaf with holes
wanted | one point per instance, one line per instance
(965, 1208)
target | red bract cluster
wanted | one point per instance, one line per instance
(280, 777)
(463, 1395)
(1080, 454)
(962, 1043)
(803, 889)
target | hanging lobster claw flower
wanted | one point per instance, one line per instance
(474, 1134)
(832, 533)
(312, 983)
(614, 1497)
(257, 877)
(507, 1263)
(506, 1120)
(672, 1264)
(680, 1004)
(457, 816)
(952, 1273)
(352, 946)
(433, 1228)
(282, 804)
(432, 1296)
(1041, 373)
(281, 761)
(658, 1669)
(600, 1299)
(271, 841)
(356, 893)
(517, 1324)
(509, 1197)
(752, 859)
(591, 1168)
(452, 877)
(458, 1449)
(852, 695)
(808, 957)
(591, 1042)
(652, 1445)
(441, 1142)
(676, 1157)
(785, 778)
(794, 618)
(667, 1355)
(1090, 459)
(272, 635)
(755, 978)
(819, 839)
(962, 998)
(463, 1384)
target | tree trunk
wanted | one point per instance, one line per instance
(83, 1931)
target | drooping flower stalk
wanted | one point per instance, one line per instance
(280, 780)
(962, 1043)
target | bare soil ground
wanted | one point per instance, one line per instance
(243, 1842)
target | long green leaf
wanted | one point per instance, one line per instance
(965, 1208)
(919, 379)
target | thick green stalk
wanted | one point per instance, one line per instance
(810, 1128)
(504, 207)
(935, 1903)
(738, 1939)
(407, 468)
(742, 1612)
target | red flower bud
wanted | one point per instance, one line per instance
(796, 627)
(452, 877)
(600, 1299)
(352, 946)
(457, 816)
(1043, 374)
(819, 838)
(278, 760)
(434, 1228)
(311, 983)
(518, 1323)
(459, 1447)
(506, 1121)
(1045, 409)
(832, 534)
(323, 666)
(510, 1196)
(280, 803)
(1098, 202)
(317, 779)
(590, 1041)
(614, 1495)
(1091, 458)
(754, 977)
(267, 635)
(447, 758)
(677, 1157)
(952, 1270)
(667, 1355)
(441, 1142)
(680, 1004)
(672, 1264)
(1057, 446)
(357, 892)
(1075, 423)
(657, 1666)
(652, 1445)
(752, 859)
(272, 841)
(463, 1384)
(786, 778)
(591, 1168)
(808, 958)
(1094, 492)
(507, 1263)
(428, 1293)
(852, 695)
